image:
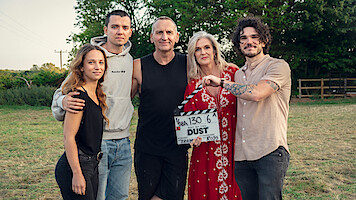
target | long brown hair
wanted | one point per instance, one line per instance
(76, 78)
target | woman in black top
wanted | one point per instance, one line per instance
(77, 169)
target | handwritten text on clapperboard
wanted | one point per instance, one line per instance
(204, 125)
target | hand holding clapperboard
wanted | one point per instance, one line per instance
(190, 125)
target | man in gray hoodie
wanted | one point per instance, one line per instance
(115, 166)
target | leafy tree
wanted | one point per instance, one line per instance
(91, 20)
(35, 68)
(220, 18)
(7, 79)
(322, 38)
(47, 78)
(316, 37)
(216, 17)
(46, 75)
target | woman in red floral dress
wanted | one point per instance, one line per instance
(211, 172)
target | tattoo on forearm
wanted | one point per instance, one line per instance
(273, 85)
(238, 89)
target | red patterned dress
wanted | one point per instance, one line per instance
(211, 171)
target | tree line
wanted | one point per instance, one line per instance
(45, 75)
(33, 87)
(316, 37)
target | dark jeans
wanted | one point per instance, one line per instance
(64, 177)
(262, 178)
(163, 176)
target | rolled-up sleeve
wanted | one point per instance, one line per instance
(278, 72)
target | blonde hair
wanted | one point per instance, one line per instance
(194, 71)
(76, 79)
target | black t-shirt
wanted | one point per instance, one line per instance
(90, 131)
(162, 90)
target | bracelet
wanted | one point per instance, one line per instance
(222, 82)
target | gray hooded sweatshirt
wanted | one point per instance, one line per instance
(117, 87)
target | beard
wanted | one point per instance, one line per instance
(249, 54)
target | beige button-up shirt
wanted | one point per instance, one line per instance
(262, 126)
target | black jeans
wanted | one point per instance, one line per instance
(263, 178)
(64, 177)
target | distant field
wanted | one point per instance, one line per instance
(322, 138)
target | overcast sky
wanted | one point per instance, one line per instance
(32, 30)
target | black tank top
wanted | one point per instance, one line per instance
(90, 131)
(162, 90)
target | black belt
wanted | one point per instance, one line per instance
(114, 140)
(98, 156)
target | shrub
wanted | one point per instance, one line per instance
(16, 79)
(36, 96)
(47, 78)
(8, 79)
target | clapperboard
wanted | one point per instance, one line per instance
(190, 125)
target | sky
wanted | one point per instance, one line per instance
(32, 30)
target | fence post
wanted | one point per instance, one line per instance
(345, 87)
(300, 88)
(322, 88)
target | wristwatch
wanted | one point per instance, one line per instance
(222, 80)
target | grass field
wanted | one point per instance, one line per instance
(321, 137)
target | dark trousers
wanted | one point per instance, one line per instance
(64, 177)
(263, 178)
(163, 176)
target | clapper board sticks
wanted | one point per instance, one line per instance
(190, 125)
(180, 112)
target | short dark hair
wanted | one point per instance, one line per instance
(163, 18)
(261, 28)
(121, 13)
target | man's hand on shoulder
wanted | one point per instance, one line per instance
(71, 104)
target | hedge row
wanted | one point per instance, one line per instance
(36, 96)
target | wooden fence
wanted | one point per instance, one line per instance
(337, 87)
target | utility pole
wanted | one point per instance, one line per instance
(60, 55)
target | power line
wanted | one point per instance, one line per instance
(27, 34)
(39, 37)
(24, 36)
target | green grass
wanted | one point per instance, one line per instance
(321, 137)
(309, 102)
(30, 145)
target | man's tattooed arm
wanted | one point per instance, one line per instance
(238, 89)
(273, 85)
(252, 92)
